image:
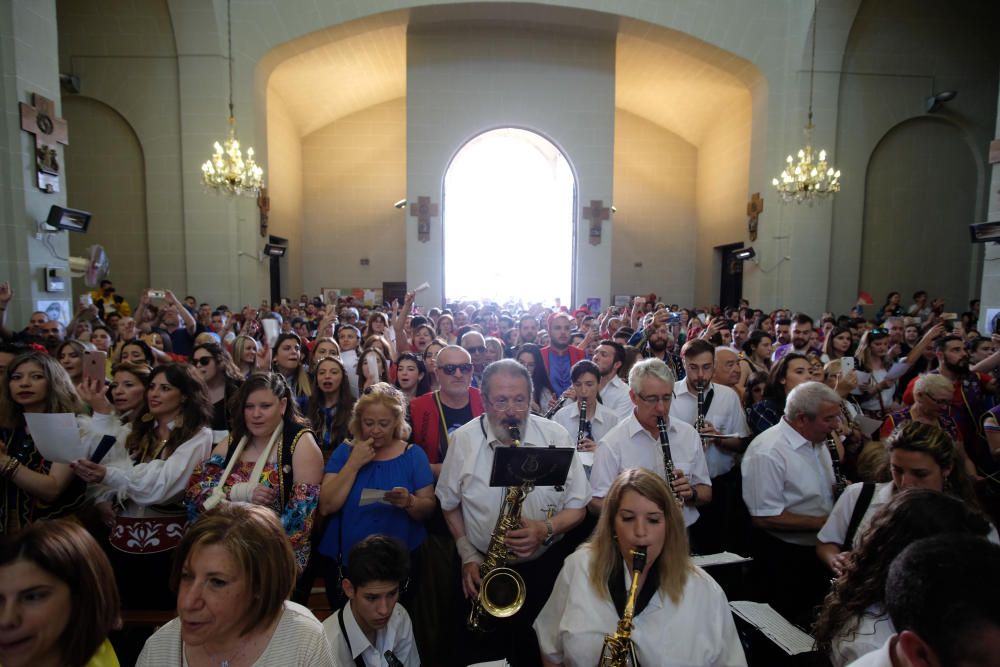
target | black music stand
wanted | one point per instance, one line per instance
(538, 466)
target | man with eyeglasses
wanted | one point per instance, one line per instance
(635, 442)
(724, 435)
(437, 414)
(471, 507)
(475, 344)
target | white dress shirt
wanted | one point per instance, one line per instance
(569, 418)
(725, 414)
(782, 471)
(698, 630)
(879, 658)
(616, 397)
(873, 630)
(629, 445)
(140, 486)
(465, 478)
(834, 530)
(396, 636)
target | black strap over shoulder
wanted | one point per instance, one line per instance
(864, 501)
(358, 661)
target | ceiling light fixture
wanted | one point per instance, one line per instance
(227, 172)
(807, 181)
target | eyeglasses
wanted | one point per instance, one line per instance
(476, 350)
(450, 369)
(202, 361)
(654, 400)
(517, 405)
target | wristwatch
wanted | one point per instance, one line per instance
(550, 535)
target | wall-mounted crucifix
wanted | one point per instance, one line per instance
(596, 213)
(424, 210)
(264, 204)
(754, 208)
(39, 118)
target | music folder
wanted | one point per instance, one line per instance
(540, 466)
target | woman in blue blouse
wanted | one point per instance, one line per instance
(378, 458)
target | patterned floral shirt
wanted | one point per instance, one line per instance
(296, 516)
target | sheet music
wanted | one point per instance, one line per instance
(774, 626)
(723, 558)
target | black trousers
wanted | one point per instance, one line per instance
(724, 524)
(789, 577)
(512, 638)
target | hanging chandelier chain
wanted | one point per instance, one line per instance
(227, 172)
(812, 177)
(229, 44)
(812, 64)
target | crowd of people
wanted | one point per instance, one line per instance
(232, 461)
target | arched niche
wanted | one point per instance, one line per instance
(106, 175)
(920, 196)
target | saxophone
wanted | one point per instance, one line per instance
(619, 651)
(668, 461)
(501, 589)
(839, 481)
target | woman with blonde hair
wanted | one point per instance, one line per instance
(245, 353)
(675, 600)
(233, 574)
(378, 457)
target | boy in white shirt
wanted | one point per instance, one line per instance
(371, 627)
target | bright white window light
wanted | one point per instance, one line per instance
(508, 226)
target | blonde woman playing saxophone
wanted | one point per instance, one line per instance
(681, 616)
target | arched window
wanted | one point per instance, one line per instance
(508, 220)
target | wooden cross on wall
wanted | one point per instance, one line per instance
(596, 213)
(39, 118)
(754, 208)
(264, 204)
(424, 210)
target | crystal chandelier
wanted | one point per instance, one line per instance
(227, 172)
(806, 180)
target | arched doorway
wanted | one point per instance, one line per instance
(508, 220)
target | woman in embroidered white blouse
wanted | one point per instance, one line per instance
(681, 616)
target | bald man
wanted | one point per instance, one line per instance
(727, 369)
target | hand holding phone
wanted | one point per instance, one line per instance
(94, 365)
(846, 366)
(157, 294)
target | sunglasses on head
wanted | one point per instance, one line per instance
(202, 361)
(878, 333)
(450, 369)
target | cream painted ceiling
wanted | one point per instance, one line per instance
(668, 78)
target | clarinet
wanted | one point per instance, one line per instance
(839, 481)
(584, 430)
(700, 422)
(668, 462)
(555, 408)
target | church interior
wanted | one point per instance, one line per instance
(671, 114)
